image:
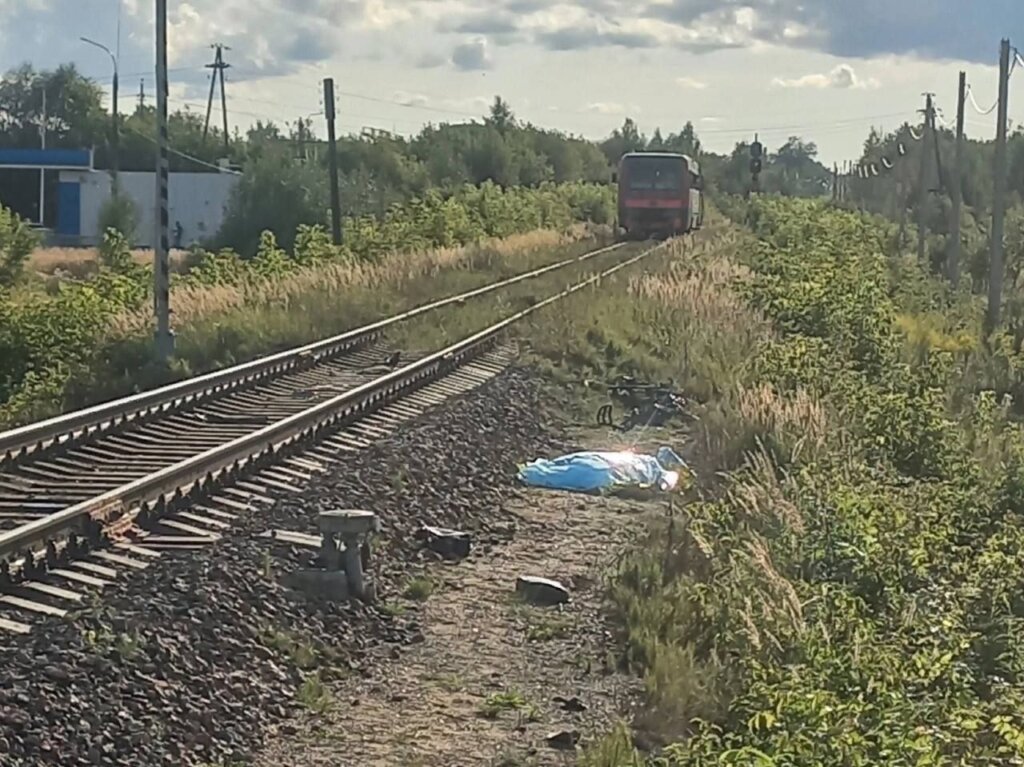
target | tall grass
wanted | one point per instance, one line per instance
(841, 595)
(220, 325)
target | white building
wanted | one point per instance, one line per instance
(197, 200)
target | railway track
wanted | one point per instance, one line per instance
(89, 496)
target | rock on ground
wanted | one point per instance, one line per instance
(491, 680)
(196, 659)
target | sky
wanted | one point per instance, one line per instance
(826, 70)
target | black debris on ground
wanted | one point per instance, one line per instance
(194, 660)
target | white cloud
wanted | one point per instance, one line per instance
(690, 82)
(612, 108)
(472, 56)
(841, 77)
(411, 99)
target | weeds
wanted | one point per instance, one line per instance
(500, 702)
(301, 652)
(852, 565)
(547, 627)
(315, 695)
(418, 589)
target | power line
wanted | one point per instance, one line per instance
(185, 155)
(977, 107)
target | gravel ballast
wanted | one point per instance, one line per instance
(192, 660)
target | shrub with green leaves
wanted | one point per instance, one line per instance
(44, 339)
(17, 241)
(860, 604)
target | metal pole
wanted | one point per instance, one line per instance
(332, 147)
(161, 267)
(115, 138)
(953, 266)
(995, 279)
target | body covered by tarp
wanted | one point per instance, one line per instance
(592, 471)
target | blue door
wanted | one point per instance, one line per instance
(69, 208)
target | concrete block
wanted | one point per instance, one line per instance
(327, 585)
(450, 544)
(348, 522)
(541, 591)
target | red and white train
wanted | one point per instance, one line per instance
(661, 194)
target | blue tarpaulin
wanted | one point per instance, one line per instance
(592, 471)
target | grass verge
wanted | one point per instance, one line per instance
(221, 325)
(844, 590)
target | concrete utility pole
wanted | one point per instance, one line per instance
(756, 152)
(42, 171)
(218, 66)
(161, 266)
(332, 148)
(115, 141)
(142, 94)
(955, 187)
(922, 180)
(995, 277)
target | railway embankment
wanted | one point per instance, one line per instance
(839, 577)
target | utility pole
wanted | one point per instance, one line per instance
(995, 277)
(115, 161)
(142, 94)
(42, 172)
(756, 150)
(922, 181)
(218, 66)
(161, 267)
(332, 147)
(955, 187)
(835, 182)
(115, 131)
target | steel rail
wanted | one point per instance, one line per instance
(172, 479)
(36, 435)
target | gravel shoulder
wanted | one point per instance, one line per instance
(491, 677)
(206, 659)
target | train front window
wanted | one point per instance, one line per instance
(646, 175)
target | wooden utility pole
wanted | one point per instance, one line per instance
(956, 187)
(995, 277)
(922, 180)
(332, 148)
(161, 267)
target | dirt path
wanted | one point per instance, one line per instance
(483, 687)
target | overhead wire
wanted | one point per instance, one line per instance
(186, 155)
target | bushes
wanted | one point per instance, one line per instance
(45, 341)
(17, 241)
(852, 604)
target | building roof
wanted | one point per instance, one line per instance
(50, 159)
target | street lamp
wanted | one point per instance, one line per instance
(115, 144)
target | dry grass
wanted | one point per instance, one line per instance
(191, 303)
(81, 261)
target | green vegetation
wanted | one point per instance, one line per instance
(315, 695)
(847, 591)
(70, 342)
(509, 700)
(284, 186)
(419, 589)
